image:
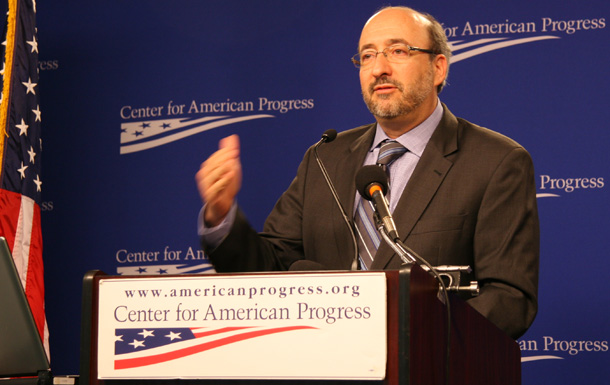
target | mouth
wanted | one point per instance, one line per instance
(384, 88)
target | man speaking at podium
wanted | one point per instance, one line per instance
(460, 194)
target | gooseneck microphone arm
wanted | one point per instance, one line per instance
(327, 137)
(395, 244)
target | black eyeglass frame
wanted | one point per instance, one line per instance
(356, 62)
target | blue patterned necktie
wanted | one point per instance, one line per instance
(368, 237)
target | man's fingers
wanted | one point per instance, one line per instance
(219, 179)
(230, 143)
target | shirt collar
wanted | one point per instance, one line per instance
(414, 140)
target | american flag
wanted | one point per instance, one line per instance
(139, 347)
(20, 148)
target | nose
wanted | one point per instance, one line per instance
(381, 66)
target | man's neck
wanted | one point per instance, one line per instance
(399, 125)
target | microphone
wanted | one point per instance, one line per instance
(306, 265)
(372, 184)
(327, 137)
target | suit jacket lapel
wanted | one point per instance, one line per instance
(425, 181)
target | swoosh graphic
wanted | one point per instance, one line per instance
(219, 331)
(172, 124)
(456, 47)
(547, 195)
(185, 134)
(539, 358)
(159, 358)
(495, 46)
(170, 269)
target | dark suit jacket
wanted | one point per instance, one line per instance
(470, 201)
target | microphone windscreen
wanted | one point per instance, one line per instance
(306, 265)
(369, 175)
(329, 135)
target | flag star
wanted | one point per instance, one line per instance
(32, 154)
(22, 170)
(38, 183)
(23, 128)
(136, 344)
(174, 336)
(118, 338)
(147, 333)
(34, 4)
(37, 113)
(30, 86)
(34, 44)
(3, 69)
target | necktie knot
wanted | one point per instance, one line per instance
(390, 151)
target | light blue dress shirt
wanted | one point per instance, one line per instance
(415, 141)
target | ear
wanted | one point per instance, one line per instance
(440, 68)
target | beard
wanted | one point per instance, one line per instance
(388, 106)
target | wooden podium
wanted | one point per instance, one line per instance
(480, 353)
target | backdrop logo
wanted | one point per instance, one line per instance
(148, 127)
(549, 348)
(160, 262)
(550, 187)
(488, 39)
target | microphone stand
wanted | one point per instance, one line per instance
(404, 255)
(329, 136)
(450, 272)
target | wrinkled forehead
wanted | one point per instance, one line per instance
(392, 25)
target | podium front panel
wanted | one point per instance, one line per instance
(259, 326)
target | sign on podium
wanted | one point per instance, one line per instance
(327, 327)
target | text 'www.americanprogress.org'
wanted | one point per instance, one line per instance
(250, 292)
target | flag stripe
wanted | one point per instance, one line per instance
(10, 205)
(169, 356)
(35, 272)
(23, 235)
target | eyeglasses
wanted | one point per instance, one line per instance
(397, 53)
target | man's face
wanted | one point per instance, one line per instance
(392, 89)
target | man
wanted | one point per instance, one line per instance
(460, 194)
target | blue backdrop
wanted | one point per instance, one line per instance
(135, 95)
